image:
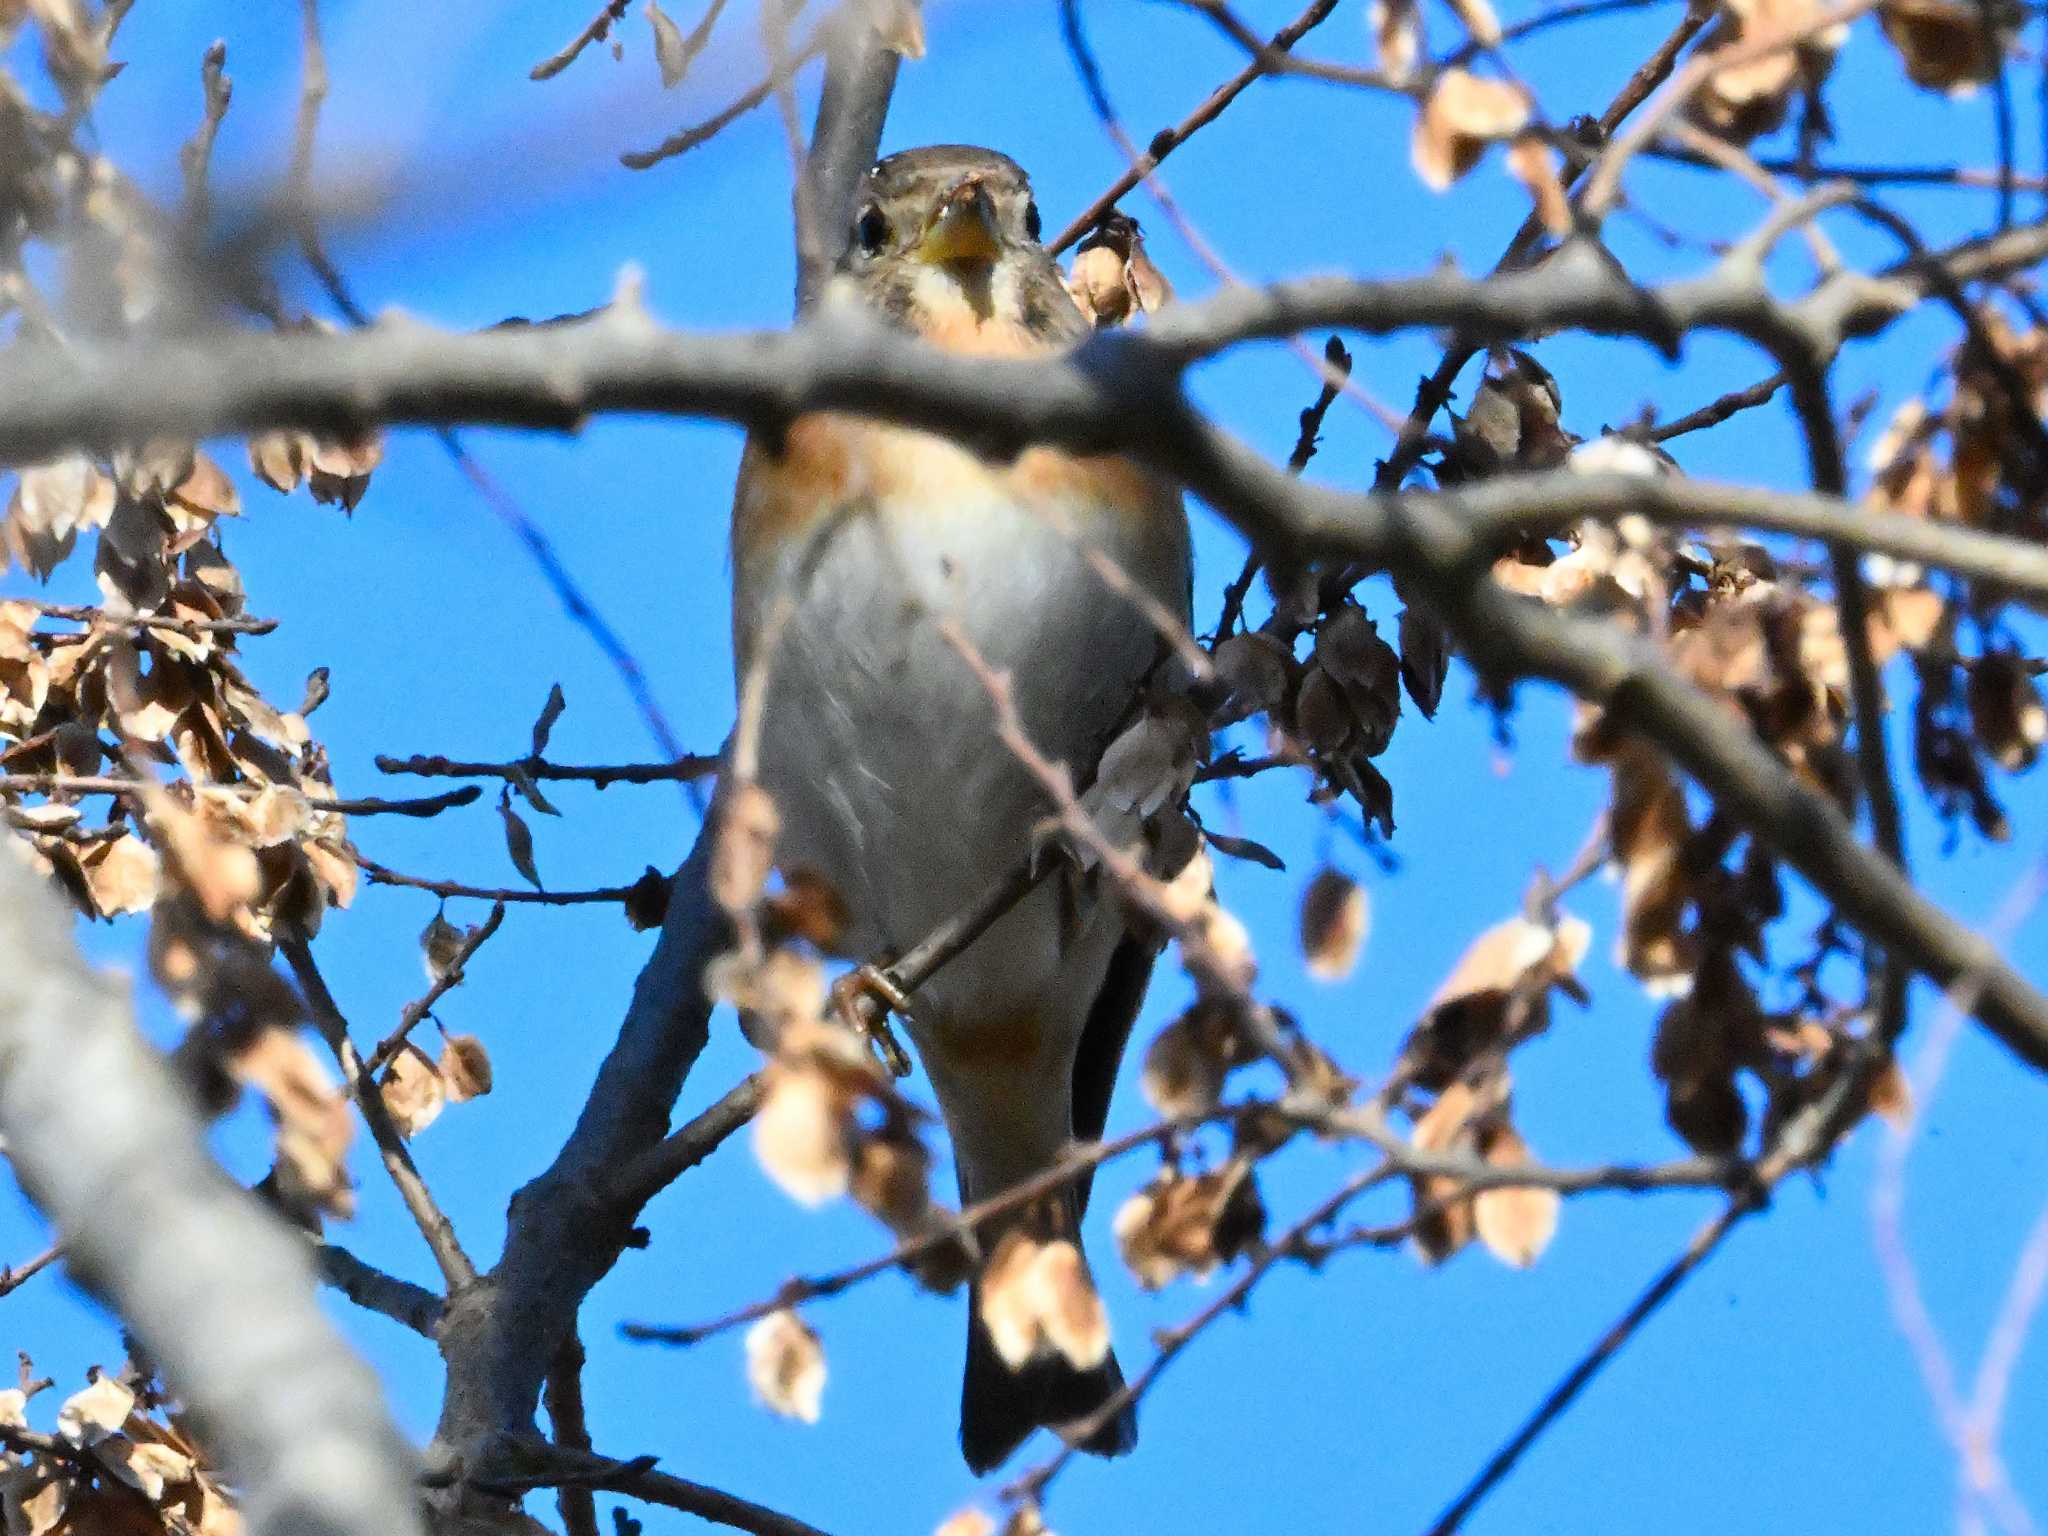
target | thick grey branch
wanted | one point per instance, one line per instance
(1122, 392)
(564, 1230)
(1112, 393)
(220, 1293)
(860, 77)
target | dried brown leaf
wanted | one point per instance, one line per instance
(518, 840)
(99, 1410)
(2006, 710)
(1463, 114)
(465, 1068)
(281, 459)
(122, 873)
(786, 1366)
(339, 471)
(804, 1132)
(1946, 45)
(1397, 34)
(1534, 164)
(551, 711)
(440, 942)
(1515, 1223)
(1181, 1224)
(412, 1091)
(1254, 669)
(900, 26)
(1891, 1095)
(1334, 917)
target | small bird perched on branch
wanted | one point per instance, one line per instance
(863, 553)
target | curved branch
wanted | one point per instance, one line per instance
(220, 1293)
(1122, 393)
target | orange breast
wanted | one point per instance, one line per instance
(830, 462)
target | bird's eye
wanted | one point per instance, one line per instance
(1031, 225)
(872, 231)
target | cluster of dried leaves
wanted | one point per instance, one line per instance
(119, 1462)
(1700, 898)
(99, 701)
(1779, 54)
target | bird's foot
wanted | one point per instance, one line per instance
(864, 998)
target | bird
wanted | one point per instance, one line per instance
(863, 553)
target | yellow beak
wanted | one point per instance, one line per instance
(962, 230)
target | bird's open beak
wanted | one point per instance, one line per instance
(962, 230)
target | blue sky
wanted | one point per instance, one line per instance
(1774, 1394)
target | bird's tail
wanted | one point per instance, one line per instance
(1000, 1407)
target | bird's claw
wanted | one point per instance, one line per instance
(864, 998)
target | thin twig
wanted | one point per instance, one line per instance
(196, 156)
(449, 977)
(381, 874)
(594, 31)
(78, 613)
(101, 784)
(1561, 1397)
(1714, 412)
(14, 1276)
(427, 1215)
(683, 769)
(631, 1187)
(1167, 140)
(1961, 178)
(1434, 392)
(1396, 1156)
(638, 1479)
(755, 95)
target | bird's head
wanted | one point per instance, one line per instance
(945, 243)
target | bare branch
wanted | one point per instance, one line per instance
(450, 977)
(427, 1215)
(14, 1276)
(563, 1234)
(383, 875)
(683, 770)
(594, 31)
(677, 1153)
(79, 614)
(1396, 1157)
(1167, 140)
(702, 133)
(860, 77)
(563, 1398)
(409, 1305)
(220, 1293)
(1561, 1397)
(100, 784)
(196, 155)
(639, 1480)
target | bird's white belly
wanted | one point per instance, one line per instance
(879, 742)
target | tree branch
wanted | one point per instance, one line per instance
(220, 1293)
(563, 1232)
(860, 77)
(409, 1305)
(1122, 392)
(456, 1269)
(683, 769)
(638, 1479)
